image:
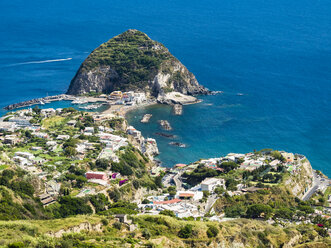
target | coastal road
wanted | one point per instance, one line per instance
(210, 202)
(318, 183)
(313, 189)
(310, 193)
(178, 182)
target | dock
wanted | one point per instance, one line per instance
(42, 100)
(165, 125)
(146, 118)
(178, 109)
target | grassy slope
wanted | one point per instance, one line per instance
(163, 229)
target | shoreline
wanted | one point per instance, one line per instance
(49, 99)
(123, 110)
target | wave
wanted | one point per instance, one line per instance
(41, 61)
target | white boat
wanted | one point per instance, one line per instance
(79, 101)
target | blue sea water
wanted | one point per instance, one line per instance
(277, 53)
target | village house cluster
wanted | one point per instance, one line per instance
(34, 143)
(127, 98)
(95, 142)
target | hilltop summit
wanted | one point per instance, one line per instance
(133, 61)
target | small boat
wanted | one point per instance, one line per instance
(79, 101)
(170, 136)
(177, 144)
(41, 102)
(240, 94)
(215, 92)
(92, 106)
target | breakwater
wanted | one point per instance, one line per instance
(40, 101)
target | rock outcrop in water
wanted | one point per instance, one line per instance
(132, 61)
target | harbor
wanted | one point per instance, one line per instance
(41, 101)
(92, 106)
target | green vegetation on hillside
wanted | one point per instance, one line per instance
(152, 231)
(17, 199)
(133, 55)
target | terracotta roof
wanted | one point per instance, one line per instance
(168, 202)
(186, 195)
(180, 165)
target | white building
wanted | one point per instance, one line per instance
(21, 161)
(26, 155)
(194, 195)
(72, 123)
(41, 135)
(89, 130)
(140, 97)
(7, 126)
(51, 143)
(63, 137)
(209, 184)
(48, 112)
(21, 121)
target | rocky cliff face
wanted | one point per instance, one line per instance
(298, 183)
(132, 61)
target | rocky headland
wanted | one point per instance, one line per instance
(133, 61)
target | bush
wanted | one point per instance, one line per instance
(235, 211)
(256, 210)
(168, 213)
(102, 163)
(285, 213)
(114, 195)
(16, 245)
(72, 206)
(185, 232)
(146, 234)
(228, 166)
(117, 225)
(306, 209)
(212, 231)
(105, 222)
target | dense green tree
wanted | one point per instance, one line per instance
(257, 210)
(212, 231)
(102, 163)
(228, 166)
(237, 210)
(231, 184)
(185, 232)
(70, 206)
(285, 213)
(70, 151)
(114, 195)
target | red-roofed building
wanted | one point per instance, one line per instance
(186, 195)
(180, 165)
(168, 202)
(96, 175)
